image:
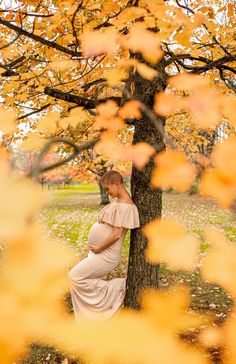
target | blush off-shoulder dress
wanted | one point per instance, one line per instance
(93, 296)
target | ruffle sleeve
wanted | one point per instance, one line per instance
(120, 215)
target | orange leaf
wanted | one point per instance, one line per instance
(188, 81)
(220, 262)
(168, 243)
(107, 109)
(204, 106)
(97, 42)
(108, 145)
(49, 122)
(146, 71)
(139, 153)
(131, 109)
(173, 170)
(107, 117)
(223, 157)
(62, 65)
(33, 141)
(166, 104)
(144, 41)
(229, 108)
(218, 186)
(128, 15)
(7, 121)
(116, 75)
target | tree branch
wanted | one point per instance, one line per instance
(27, 14)
(33, 112)
(209, 64)
(79, 100)
(92, 83)
(37, 169)
(8, 44)
(228, 82)
(184, 7)
(39, 39)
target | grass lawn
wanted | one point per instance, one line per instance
(71, 212)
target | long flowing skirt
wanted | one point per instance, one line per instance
(92, 296)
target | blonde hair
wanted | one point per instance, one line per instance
(112, 177)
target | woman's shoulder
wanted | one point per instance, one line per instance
(121, 214)
(119, 205)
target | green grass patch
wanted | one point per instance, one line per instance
(204, 246)
(83, 187)
(230, 232)
(218, 219)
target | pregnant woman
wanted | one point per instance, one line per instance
(92, 296)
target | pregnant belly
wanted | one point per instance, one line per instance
(98, 233)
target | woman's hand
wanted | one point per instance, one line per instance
(96, 249)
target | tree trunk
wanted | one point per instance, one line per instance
(148, 200)
(104, 196)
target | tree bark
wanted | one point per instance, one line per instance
(104, 196)
(148, 200)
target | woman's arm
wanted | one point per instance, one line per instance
(111, 239)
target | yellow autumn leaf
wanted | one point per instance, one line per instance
(107, 117)
(220, 187)
(183, 37)
(97, 42)
(109, 7)
(128, 15)
(168, 243)
(200, 19)
(32, 142)
(219, 265)
(188, 81)
(7, 120)
(204, 107)
(228, 108)
(223, 157)
(228, 331)
(64, 123)
(176, 302)
(139, 153)
(146, 71)
(127, 63)
(108, 145)
(144, 41)
(173, 170)
(79, 113)
(49, 123)
(9, 100)
(114, 124)
(166, 104)
(131, 109)
(107, 109)
(62, 65)
(115, 75)
(32, 284)
(20, 199)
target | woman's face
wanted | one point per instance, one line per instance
(111, 189)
